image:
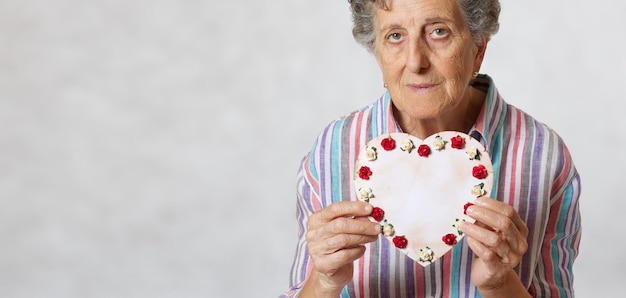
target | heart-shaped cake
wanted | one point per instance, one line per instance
(421, 188)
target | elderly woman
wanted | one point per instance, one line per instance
(525, 238)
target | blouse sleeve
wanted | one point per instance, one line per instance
(553, 276)
(307, 203)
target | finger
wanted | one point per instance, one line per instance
(487, 255)
(500, 226)
(342, 225)
(502, 220)
(482, 251)
(341, 241)
(485, 236)
(500, 241)
(353, 226)
(507, 249)
(330, 263)
(341, 209)
(484, 226)
(504, 209)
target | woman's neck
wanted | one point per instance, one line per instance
(462, 118)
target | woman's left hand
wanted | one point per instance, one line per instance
(498, 240)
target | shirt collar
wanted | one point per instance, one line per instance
(492, 113)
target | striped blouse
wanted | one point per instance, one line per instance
(534, 174)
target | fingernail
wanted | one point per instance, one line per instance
(461, 224)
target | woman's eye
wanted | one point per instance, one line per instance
(394, 36)
(439, 33)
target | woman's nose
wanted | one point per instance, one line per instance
(417, 57)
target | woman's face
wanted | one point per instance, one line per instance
(427, 56)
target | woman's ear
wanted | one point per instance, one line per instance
(480, 53)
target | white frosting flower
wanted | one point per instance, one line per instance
(478, 190)
(366, 194)
(457, 226)
(370, 153)
(426, 254)
(407, 145)
(439, 143)
(473, 153)
(388, 229)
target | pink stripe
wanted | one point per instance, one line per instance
(564, 175)
(315, 202)
(513, 159)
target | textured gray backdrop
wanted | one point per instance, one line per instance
(149, 148)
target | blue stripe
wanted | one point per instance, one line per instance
(560, 226)
(335, 161)
(496, 159)
(456, 267)
(312, 167)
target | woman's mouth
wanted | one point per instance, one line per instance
(422, 87)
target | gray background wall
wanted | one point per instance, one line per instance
(149, 148)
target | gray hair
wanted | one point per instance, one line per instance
(481, 17)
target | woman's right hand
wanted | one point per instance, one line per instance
(335, 238)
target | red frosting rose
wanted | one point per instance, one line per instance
(449, 239)
(458, 142)
(466, 206)
(423, 150)
(365, 173)
(400, 241)
(388, 143)
(378, 214)
(479, 172)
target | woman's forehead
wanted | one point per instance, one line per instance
(402, 12)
